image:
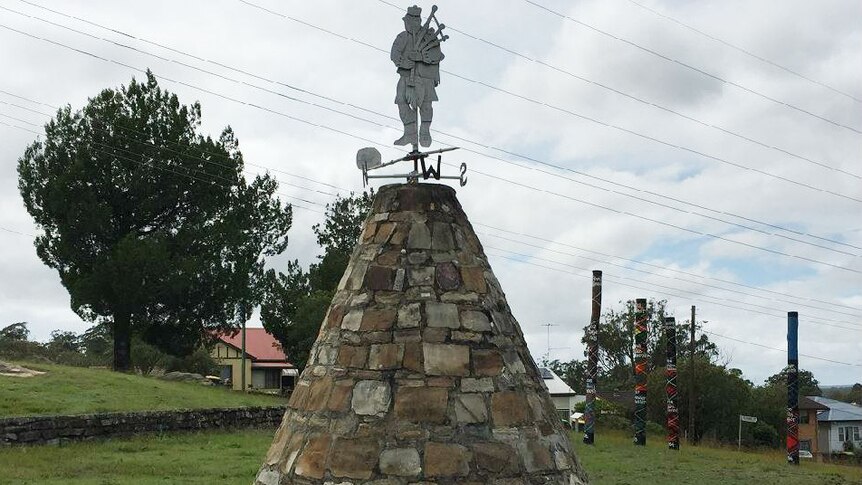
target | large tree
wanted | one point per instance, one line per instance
(151, 225)
(295, 302)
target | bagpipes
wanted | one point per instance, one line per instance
(427, 39)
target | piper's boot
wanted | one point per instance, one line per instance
(425, 134)
(409, 136)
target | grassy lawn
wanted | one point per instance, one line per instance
(233, 458)
(614, 460)
(76, 390)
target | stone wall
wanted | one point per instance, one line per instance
(38, 430)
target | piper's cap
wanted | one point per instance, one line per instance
(413, 11)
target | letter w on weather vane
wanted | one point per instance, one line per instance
(416, 54)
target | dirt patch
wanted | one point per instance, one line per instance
(11, 370)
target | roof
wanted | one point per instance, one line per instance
(808, 403)
(838, 410)
(259, 345)
(555, 385)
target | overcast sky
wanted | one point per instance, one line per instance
(600, 134)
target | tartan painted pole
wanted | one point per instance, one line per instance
(792, 388)
(593, 359)
(670, 373)
(640, 371)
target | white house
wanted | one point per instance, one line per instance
(841, 423)
(563, 396)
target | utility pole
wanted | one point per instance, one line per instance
(691, 393)
(549, 325)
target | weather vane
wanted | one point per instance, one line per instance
(416, 54)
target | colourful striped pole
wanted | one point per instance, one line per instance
(670, 373)
(640, 371)
(593, 359)
(792, 388)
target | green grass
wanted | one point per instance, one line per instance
(194, 458)
(229, 458)
(614, 460)
(76, 390)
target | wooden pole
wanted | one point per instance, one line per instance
(640, 371)
(692, 380)
(593, 359)
(242, 362)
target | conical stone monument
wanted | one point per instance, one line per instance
(420, 373)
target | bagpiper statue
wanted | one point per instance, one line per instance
(417, 55)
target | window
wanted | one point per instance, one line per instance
(855, 433)
(805, 445)
(803, 418)
(841, 434)
(272, 379)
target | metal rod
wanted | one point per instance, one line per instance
(593, 359)
(640, 371)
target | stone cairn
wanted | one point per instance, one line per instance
(420, 373)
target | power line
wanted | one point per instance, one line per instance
(707, 285)
(742, 226)
(664, 268)
(653, 286)
(639, 99)
(692, 68)
(781, 350)
(329, 128)
(546, 240)
(575, 114)
(299, 206)
(744, 51)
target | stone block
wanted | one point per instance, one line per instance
(442, 315)
(421, 276)
(455, 297)
(409, 315)
(536, 456)
(510, 408)
(485, 384)
(388, 258)
(435, 335)
(312, 460)
(339, 398)
(384, 232)
(385, 356)
(354, 458)
(352, 356)
(487, 363)
(446, 359)
(446, 460)
(318, 393)
(447, 277)
(334, 317)
(470, 408)
(413, 357)
(352, 320)
(442, 238)
(421, 404)
(417, 257)
(496, 458)
(371, 398)
(379, 278)
(419, 236)
(377, 319)
(474, 279)
(476, 321)
(401, 462)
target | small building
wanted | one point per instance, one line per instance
(839, 424)
(809, 430)
(266, 365)
(563, 396)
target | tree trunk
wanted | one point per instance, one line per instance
(122, 341)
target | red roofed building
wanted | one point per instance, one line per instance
(266, 365)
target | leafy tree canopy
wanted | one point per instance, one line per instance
(151, 225)
(295, 302)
